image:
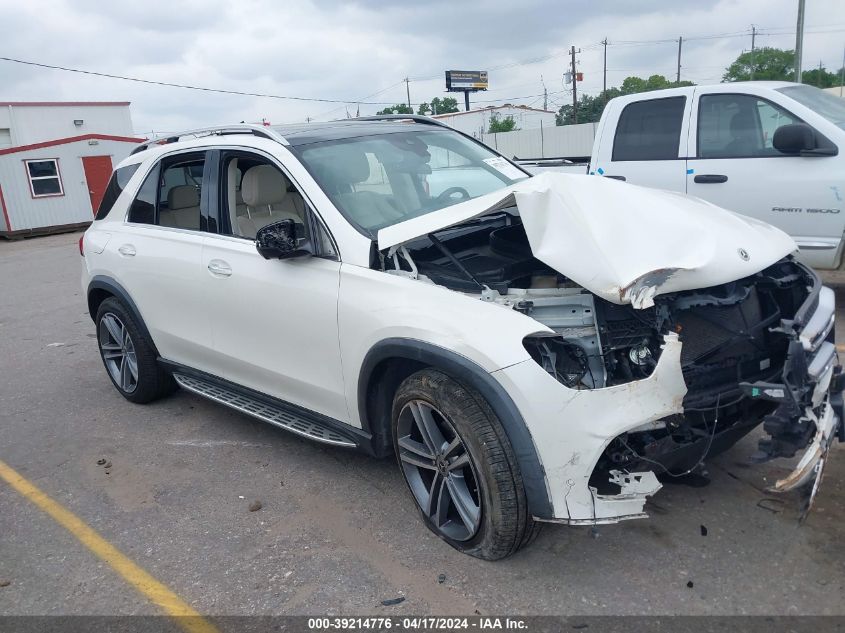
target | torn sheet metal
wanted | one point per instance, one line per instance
(622, 242)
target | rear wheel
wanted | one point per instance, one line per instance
(460, 467)
(128, 356)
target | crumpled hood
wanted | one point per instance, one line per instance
(621, 242)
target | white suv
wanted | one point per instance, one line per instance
(531, 349)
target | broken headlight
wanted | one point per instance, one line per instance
(566, 361)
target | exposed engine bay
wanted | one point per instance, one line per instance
(739, 340)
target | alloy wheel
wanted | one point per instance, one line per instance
(439, 470)
(118, 352)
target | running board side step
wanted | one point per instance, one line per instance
(275, 414)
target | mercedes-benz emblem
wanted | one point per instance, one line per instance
(743, 254)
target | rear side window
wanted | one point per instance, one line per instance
(649, 130)
(171, 193)
(117, 183)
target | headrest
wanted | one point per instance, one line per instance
(183, 197)
(351, 167)
(742, 123)
(263, 185)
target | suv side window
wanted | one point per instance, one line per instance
(257, 193)
(117, 183)
(649, 130)
(738, 126)
(171, 193)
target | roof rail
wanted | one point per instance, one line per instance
(417, 118)
(219, 130)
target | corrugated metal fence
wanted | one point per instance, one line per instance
(545, 142)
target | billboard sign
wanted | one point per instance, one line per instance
(466, 80)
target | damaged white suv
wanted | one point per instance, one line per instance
(531, 349)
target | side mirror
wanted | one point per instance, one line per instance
(278, 241)
(794, 138)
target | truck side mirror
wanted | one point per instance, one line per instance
(278, 241)
(800, 139)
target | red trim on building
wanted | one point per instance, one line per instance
(47, 104)
(70, 139)
(5, 211)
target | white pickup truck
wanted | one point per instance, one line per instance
(769, 150)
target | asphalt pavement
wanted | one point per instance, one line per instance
(337, 532)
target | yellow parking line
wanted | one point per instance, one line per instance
(158, 594)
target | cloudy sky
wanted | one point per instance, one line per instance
(362, 50)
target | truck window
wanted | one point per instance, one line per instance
(739, 126)
(649, 130)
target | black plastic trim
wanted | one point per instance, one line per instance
(469, 373)
(362, 439)
(103, 282)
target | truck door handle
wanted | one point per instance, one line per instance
(622, 178)
(127, 250)
(710, 178)
(219, 268)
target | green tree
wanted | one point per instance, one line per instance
(399, 108)
(498, 124)
(769, 64)
(446, 105)
(590, 108)
(633, 85)
(820, 78)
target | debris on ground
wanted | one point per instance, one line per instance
(107, 465)
(5, 583)
(101, 461)
(441, 578)
(703, 530)
(594, 532)
(393, 601)
(689, 584)
(772, 505)
(255, 506)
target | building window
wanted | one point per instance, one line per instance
(44, 178)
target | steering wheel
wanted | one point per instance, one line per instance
(447, 195)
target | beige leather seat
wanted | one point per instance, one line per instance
(266, 199)
(183, 208)
(347, 168)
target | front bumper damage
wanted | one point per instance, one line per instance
(806, 410)
(809, 397)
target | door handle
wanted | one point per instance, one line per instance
(127, 250)
(219, 268)
(710, 178)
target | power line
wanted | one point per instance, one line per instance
(186, 86)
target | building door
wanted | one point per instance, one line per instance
(97, 174)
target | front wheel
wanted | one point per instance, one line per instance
(128, 356)
(460, 467)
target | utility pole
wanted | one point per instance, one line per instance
(574, 89)
(842, 74)
(819, 78)
(799, 41)
(753, 37)
(604, 79)
(408, 92)
(680, 42)
(545, 94)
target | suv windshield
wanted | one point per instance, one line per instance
(377, 181)
(827, 105)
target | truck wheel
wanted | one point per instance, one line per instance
(128, 356)
(460, 467)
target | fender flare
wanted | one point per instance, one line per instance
(471, 374)
(103, 282)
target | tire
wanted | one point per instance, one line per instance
(484, 512)
(129, 356)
